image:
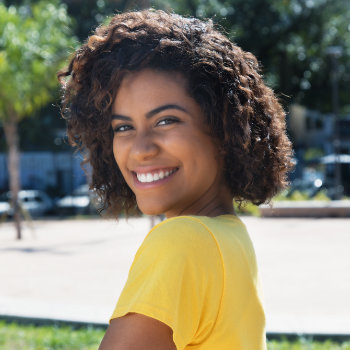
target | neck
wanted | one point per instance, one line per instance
(212, 203)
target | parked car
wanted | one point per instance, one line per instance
(4, 205)
(81, 201)
(34, 202)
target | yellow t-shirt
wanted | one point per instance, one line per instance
(198, 275)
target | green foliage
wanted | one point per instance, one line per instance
(291, 38)
(300, 196)
(312, 153)
(35, 41)
(91, 13)
(294, 196)
(286, 195)
(307, 344)
(17, 337)
(321, 196)
(282, 196)
(247, 208)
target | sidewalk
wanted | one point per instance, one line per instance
(74, 270)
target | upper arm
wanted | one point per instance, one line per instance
(135, 332)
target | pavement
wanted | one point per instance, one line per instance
(74, 270)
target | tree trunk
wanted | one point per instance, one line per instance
(12, 139)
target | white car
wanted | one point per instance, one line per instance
(81, 201)
(4, 206)
(34, 202)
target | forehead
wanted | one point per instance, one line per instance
(149, 87)
(151, 75)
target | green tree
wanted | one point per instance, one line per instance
(290, 38)
(91, 13)
(34, 42)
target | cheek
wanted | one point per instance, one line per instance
(201, 161)
(208, 161)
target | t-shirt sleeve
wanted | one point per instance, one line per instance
(176, 278)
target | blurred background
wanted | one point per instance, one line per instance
(62, 269)
(303, 47)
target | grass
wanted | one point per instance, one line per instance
(307, 344)
(29, 337)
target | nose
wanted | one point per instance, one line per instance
(144, 147)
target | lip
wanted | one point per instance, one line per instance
(144, 170)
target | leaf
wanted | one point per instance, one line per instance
(33, 47)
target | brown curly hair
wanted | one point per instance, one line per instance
(241, 110)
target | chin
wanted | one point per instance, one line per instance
(148, 209)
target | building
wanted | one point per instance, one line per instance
(57, 173)
(311, 129)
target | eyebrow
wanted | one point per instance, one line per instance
(153, 112)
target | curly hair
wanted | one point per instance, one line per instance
(242, 112)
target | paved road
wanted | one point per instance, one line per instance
(75, 270)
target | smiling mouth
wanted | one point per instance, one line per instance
(154, 176)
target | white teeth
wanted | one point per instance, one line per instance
(142, 177)
(149, 177)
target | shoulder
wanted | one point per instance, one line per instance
(179, 231)
(180, 237)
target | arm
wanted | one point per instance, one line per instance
(137, 332)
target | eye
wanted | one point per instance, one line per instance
(122, 128)
(167, 121)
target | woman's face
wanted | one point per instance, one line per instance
(163, 147)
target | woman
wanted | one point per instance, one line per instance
(176, 120)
